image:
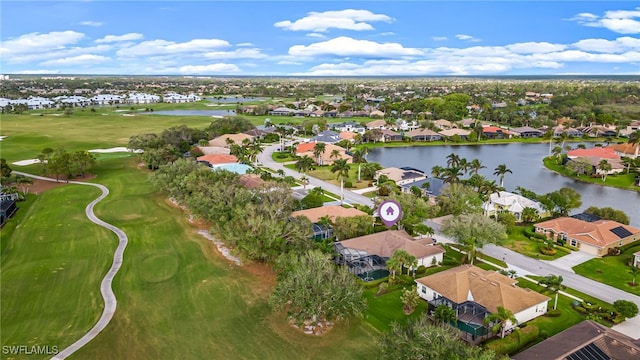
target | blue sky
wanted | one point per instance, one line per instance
(320, 38)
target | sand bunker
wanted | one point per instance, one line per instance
(115, 149)
(26, 162)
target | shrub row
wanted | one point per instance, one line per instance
(530, 233)
(517, 340)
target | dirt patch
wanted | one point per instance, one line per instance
(40, 186)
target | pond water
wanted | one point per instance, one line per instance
(524, 160)
(195, 112)
(233, 99)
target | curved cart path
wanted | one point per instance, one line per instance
(105, 286)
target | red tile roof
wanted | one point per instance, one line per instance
(601, 152)
(216, 159)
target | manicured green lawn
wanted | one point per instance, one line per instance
(622, 181)
(612, 270)
(387, 308)
(177, 298)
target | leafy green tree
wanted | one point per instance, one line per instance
(341, 168)
(228, 125)
(553, 283)
(561, 201)
(580, 166)
(414, 210)
(609, 213)
(500, 320)
(420, 340)
(409, 299)
(5, 169)
(369, 170)
(459, 199)
(315, 289)
(474, 231)
(350, 227)
(626, 308)
(530, 215)
(312, 200)
(444, 315)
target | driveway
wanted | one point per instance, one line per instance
(567, 262)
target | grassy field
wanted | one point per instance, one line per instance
(622, 181)
(518, 242)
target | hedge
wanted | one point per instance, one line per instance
(515, 341)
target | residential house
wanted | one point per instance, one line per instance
(142, 98)
(568, 131)
(595, 237)
(453, 132)
(327, 136)
(390, 135)
(626, 149)
(213, 160)
(585, 340)
(208, 150)
(636, 259)
(467, 123)
(443, 124)
(595, 155)
(369, 253)
(376, 114)
(475, 293)
(400, 176)
(226, 139)
(106, 99)
(281, 111)
(8, 206)
(176, 98)
(526, 132)
(322, 230)
(515, 204)
(494, 132)
(377, 124)
(594, 130)
(350, 126)
(423, 135)
(251, 181)
(632, 127)
(327, 157)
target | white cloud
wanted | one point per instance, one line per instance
(439, 38)
(37, 72)
(209, 69)
(92, 23)
(620, 21)
(346, 46)
(164, 47)
(287, 62)
(388, 33)
(86, 59)
(236, 54)
(247, 44)
(316, 35)
(116, 38)
(348, 19)
(609, 46)
(58, 53)
(535, 47)
(41, 43)
(465, 37)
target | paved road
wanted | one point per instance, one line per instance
(106, 289)
(350, 197)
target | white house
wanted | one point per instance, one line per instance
(513, 203)
(475, 293)
(142, 98)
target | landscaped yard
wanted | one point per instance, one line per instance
(324, 173)
(518, 242)
(612, 270)
(623, 181)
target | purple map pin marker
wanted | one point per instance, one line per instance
(389, 212)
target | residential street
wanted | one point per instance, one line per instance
(521, 263)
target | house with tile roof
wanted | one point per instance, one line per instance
(475, 293)
(376, 124)
(526, 132)
(323, 231)
(423, 135)
(494, 132)
(213, 160)
(430, 188)
(369, 253)
(238, 139)
(586, 340)
(626, 149)
(443, 124)
(593, 237)
(390, 135)
(515, 204)
(453, 132)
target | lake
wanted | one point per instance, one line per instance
(524, 160)
(195, 112)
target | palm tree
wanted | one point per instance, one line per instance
(304, 164)
(553, 283)
(557, 151)
(444, 315)
(358, 158)
(319, 149)
(304, 181)
(451, 174)
(453, 160)
(475, 165)
(604, 167)
(341, 167)
(487, 188)
(335, 154)
(500, 320)
(437, 171)
(500, 172)
(393, 265)
(634, 272)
